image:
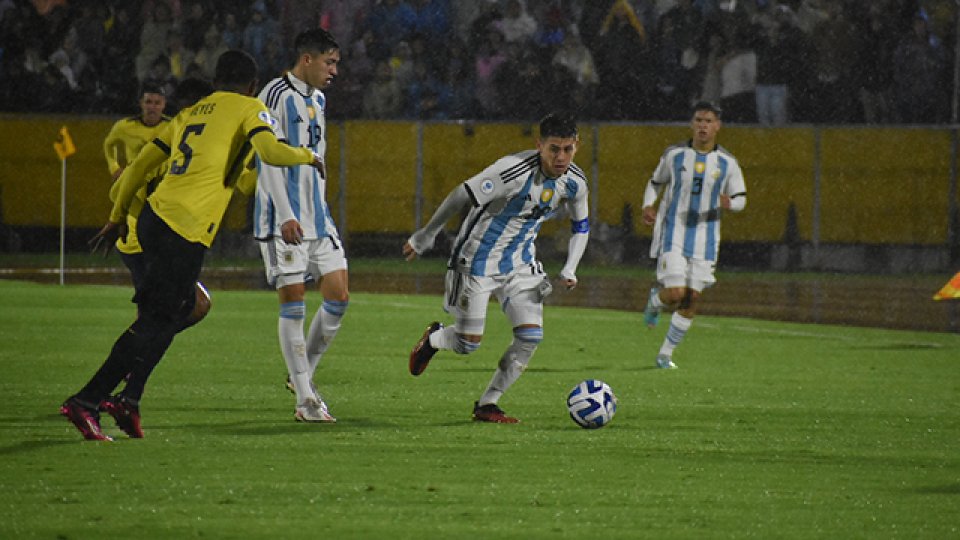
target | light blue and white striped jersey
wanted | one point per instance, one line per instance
(691, 183)
(285, 193)
(511, 200)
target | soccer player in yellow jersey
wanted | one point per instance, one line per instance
(208, 145)
(123, 143)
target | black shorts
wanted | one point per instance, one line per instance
(137, 264)
(172, 266)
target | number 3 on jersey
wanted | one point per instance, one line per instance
(180, 168)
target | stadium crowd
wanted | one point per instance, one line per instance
(766, 61)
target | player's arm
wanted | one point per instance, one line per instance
(110, 145)
(659, 179)
(580, 229)
(422, 240)
(247, 181)
(135, 176)
(734, 196)
(274, 152)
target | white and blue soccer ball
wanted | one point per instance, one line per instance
(592, 404)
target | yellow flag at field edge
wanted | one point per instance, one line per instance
(949, 291)
(64, 145)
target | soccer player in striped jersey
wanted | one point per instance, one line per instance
(207, 147)
(298, 239)
(698, 181)
(495, 254)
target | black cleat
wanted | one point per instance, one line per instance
(422, 352)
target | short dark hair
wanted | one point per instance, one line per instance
(558, 124)
(151, 86)
(235, 68)
(708, 106)
(314, 41)
(191, 90)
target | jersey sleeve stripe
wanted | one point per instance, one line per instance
(520, 169)
(473, 198)
(256, 130)
(162, 146)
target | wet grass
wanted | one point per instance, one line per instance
(767, 430)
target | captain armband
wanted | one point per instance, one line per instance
(580, 227)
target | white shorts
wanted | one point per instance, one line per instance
(289, 264)
(675, 270)
(520, 295)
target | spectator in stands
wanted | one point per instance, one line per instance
(674, 82)
(195, 24)
(231, 32)
(153, 38)
(517, 25)
(178, 55)
(779, 60)
(833, 89)
(875, 66)
(71, 61)
(391, 22)
(487, 61)
(258, 31)
(917, 67)
(118, 76)
(431, 20)
(625, 64)
(738, 79)
(488, 15)
(577, 61)
(275, 60)
(160, 76)
(213, 46)
(383, 98)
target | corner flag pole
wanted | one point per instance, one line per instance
(64, 148)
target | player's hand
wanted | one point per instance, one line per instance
(107, 236)
(408, 252)
(725, 202)
(569, 283)
(649, 215)
(291, 232)
(319, 165)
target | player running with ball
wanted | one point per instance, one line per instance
(494, 254)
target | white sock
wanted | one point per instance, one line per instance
(655, 302)
(325, 325)
(512, 364)
(294, 347)
(678, 328)
(445, 338)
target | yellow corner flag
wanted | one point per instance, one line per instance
(949, 291)
(64, 145)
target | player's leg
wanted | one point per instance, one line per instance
(164, 300)
(285, 266)
(699, 276)
(201, 306)
(522, 303)
(466, 298)
(330, 263)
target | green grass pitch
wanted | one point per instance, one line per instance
(767, 430)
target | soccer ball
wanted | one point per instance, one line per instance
(592, 404)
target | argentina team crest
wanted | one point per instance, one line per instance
(546, 196)
(699, 167)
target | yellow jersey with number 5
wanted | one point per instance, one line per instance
(208, 144)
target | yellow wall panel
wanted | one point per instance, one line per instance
(878, 185)
(885, 185)
(30, 171)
